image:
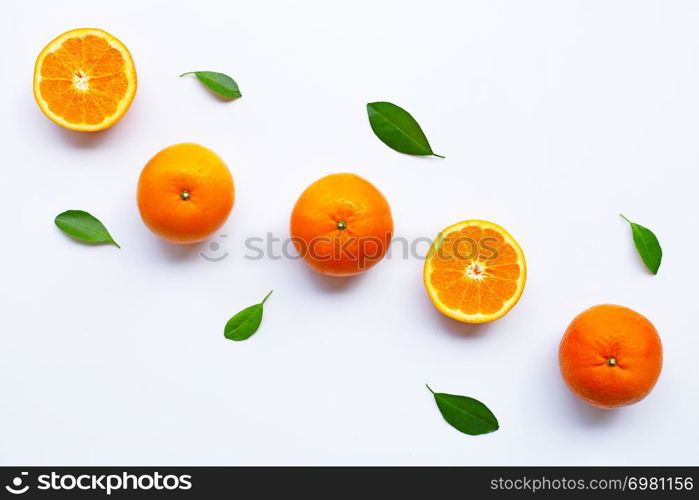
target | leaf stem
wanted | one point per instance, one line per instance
(627, 220)
(429, 388)
(187, 73)
(438, 156)
(266, 297)
(117, 244)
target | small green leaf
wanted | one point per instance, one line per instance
(465, 414)
(398, 129)
(243, 325)
(647, 245)
(83, 226)
(218, 83)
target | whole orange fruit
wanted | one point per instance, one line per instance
(85, 80)
(341, 225)
(610, 356)
(185, 193)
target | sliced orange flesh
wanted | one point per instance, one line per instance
(85, 80)
(475, 271)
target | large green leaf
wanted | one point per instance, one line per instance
(244, 324)
(219, 83)
(84, 226)
(647, 245)
(465, 414)
(398, 129)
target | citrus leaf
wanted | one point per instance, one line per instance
(218, 83)
(244, 324)
(398, 129)
(83, 226)
(647, 245)
(465, 414)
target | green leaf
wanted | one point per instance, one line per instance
(218, 83)
(243, 325)
(83, 226)
(398, 129)
(465, 414)
(647, 245)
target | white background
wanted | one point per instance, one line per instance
(554, 117)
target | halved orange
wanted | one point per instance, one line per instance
(475, 271)
(85, 80)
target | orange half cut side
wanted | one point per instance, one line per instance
(475, 272)
(85, 80)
